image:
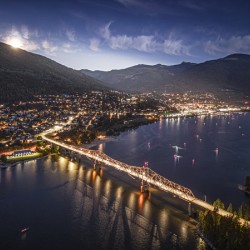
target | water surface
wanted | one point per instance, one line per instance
(212, 157)
(70, 206)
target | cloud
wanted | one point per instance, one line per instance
(22, 38)
(144, 43)
(127, 3)
(37, 41)
(140, 43)
(67, 48)
(31, 46)
(94, 44)
(174, 46)
(150, 8)
(235, 44)
(105, 31)
(190, 4)
(70, 35)
(48, 47)
(155, 8)
(25, 32)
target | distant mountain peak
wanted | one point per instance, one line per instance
(231, 72)
(238, 56)
(187, 63)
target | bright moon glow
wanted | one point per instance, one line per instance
(15, 42)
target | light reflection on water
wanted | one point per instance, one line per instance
(57, 197)
(101, 209)
(214, 159)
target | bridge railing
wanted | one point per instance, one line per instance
(143, 173)
(148, 175)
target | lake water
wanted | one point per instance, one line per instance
(212, 158)
(71, 206)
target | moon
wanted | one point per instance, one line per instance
(15, 42)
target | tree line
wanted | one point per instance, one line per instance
(226, 232)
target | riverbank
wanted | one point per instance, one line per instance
(208, 242)
(98, 142)
(13, 164)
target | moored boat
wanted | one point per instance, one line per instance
(25, 229)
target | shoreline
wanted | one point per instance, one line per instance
(202, 236)
(177, 209)
(98, 142)
(13, 164)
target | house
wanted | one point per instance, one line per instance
(21, 153)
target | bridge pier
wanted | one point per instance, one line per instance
(144, 173)
(189, 209)
(74, 156)
(144, 187)
(98, 165)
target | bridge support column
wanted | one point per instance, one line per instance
(144, 187)
(100, 170)
(189, 209)
(97, 165)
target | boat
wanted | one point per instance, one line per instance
(25, 229)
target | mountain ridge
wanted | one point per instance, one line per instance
(232, 71)
(127, 79)
(24, 74)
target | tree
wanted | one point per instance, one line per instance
(3, 158)
(230, 208)
(229, 233)
(39, 138)
(218, 204)
(240, 213)
(55, 149)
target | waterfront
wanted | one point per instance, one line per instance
(211, 157)
(70, 206)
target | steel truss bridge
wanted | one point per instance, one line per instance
(145, 174)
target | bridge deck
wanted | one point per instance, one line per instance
(145, 174)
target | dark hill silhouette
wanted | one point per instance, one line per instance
(141, 77)
(231, 72)
(24, 74)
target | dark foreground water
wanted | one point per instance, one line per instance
(71, 206)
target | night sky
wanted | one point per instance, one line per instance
(114, 34)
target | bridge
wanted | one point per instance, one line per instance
(145, 174)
